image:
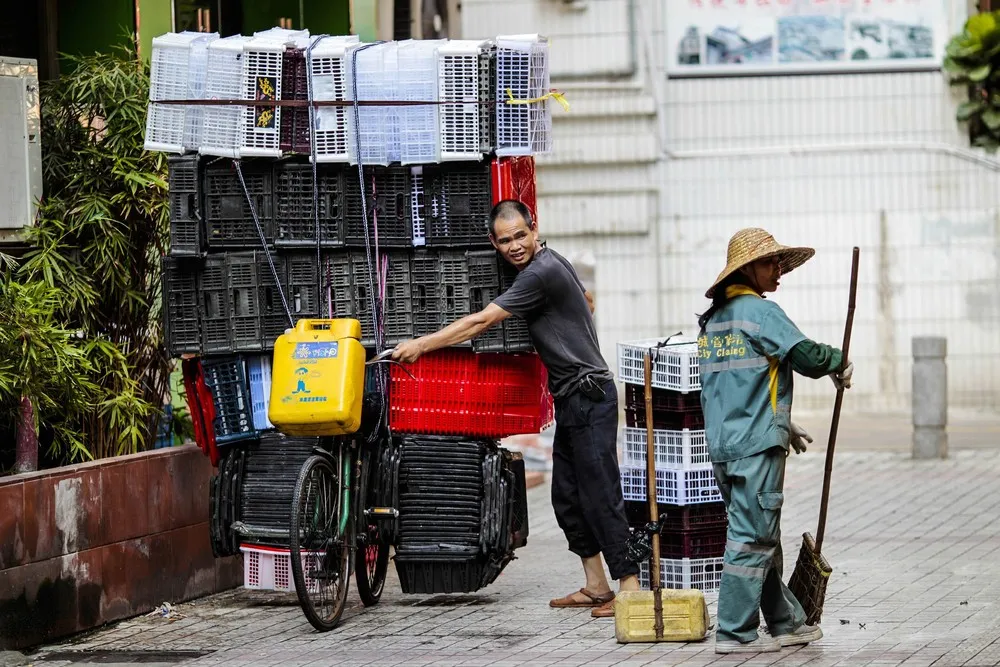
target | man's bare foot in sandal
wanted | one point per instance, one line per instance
(607, 610)
(583, 598)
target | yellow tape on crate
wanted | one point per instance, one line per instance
(318, 378)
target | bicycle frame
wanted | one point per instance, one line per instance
(344, 465)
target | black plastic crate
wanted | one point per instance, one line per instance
(302, 285)
(273, 318)
(515, 330)
(338, 278)
(456, 204)
(213, 305)
(228, 219)
(700, 516)
(294, 221)
(440, 289)
(245, 311)
(272, 470)
(664, 400)
(423, 577)
(226, 380)
(388, 199)
(185, 205)
(484, 287)
(181, 330)
(670, 421)
(397, 306)
(294, 86)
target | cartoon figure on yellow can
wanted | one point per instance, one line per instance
(300, 388)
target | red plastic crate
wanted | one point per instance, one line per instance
(459, 392)
(707, 543)
(514, 178)
(202, 408)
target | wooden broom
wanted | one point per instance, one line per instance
(812, 571)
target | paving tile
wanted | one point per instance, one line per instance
(916, 578)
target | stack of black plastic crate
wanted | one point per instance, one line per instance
(259, 243)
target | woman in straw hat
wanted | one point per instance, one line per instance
(748, 349)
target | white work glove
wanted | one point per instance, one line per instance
(843, 380)
(799, 438)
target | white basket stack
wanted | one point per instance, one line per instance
(523, 73)
(177, 72)
(480, 95)
(686, 489)
(327, 66)
(221, 125)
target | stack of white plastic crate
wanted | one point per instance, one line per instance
(686, 491)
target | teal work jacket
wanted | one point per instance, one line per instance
(746, 379)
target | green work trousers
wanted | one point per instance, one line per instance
(751, 575)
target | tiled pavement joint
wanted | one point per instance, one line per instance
(915, 547)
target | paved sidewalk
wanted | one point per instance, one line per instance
(915, 547)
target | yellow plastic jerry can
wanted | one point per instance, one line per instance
(685, 616)
(318, 378)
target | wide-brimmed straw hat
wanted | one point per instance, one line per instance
(749, 245)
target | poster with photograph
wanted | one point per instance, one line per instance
(764, 36)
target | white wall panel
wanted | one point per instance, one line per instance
(593, 40)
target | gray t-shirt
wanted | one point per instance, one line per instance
(548, 295)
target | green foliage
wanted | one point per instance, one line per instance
(96, 246)
(973, 61)
(42, 360)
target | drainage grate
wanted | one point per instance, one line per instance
(111, 657)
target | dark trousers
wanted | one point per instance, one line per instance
(586, 484)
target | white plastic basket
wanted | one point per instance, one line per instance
(675, 487)
(704, 574)
(376, 72)
(675, 364)
(678, 450)
(270, 568)
(262, 63)
(283, 35)
(327, 67)
(259, 373)
(460, 132)
(221, 125)
(417, 81)
(523, 69)
(417, 208)
(177, 72)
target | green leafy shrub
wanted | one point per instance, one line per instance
(94, 263)
(973, 60)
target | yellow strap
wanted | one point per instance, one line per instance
(732, 292)
(554, 94)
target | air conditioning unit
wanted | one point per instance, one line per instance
(20, 147)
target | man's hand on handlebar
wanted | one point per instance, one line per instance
(408, 352)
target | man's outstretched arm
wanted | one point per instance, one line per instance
(457, 332)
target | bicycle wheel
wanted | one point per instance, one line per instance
(320, 557)
(371, 562)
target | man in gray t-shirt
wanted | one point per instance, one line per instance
(586, 487)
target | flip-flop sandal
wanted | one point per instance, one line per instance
(595, 600)
(606, 610)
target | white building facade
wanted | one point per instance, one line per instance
(652, 172)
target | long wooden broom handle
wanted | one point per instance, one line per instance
(835, 423)
(654, 514)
